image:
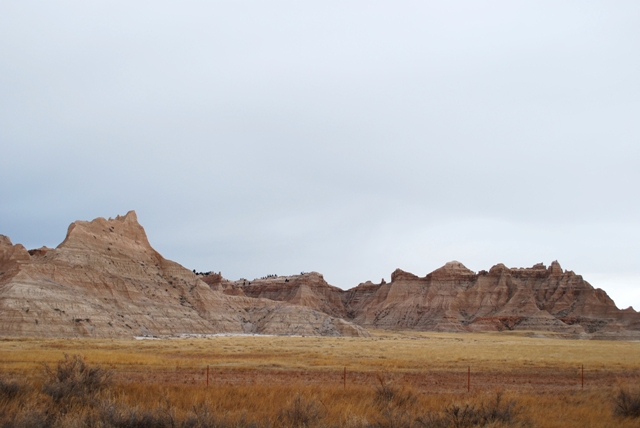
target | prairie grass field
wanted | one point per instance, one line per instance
(400, 379)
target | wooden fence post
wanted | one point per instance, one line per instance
(469, 379)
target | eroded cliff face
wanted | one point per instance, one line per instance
(105, 280)
(308, 289)
(454, 298)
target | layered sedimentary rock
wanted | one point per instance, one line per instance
(105, 280)
(310, 290)
(454, 298)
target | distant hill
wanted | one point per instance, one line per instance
(454, 298)
(105, 280)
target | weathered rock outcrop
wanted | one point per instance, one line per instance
(307, 289)
(105, 280)
(454, 298)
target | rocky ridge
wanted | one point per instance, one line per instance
(454, 298)
(105, 280)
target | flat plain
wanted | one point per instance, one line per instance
(551, 381)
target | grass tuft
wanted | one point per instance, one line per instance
(10, 389)
(302, 413)
(495, 412)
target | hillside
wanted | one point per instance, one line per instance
(105, 280)
(454, 298)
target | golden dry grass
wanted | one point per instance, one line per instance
(257, 377)
(389, 352)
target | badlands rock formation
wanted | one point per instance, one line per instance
(454, 298)
(105, 280)
(310, 290)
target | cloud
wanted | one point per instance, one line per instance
(349, 138)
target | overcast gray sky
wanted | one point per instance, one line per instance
(345, 137)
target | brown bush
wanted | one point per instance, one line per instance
(395, 404)
(74, 380)
(123, 417)
(495, 412)
(10, 389)
(388, 394)
(627, 403)
(302, 413)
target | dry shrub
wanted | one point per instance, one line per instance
(395, 404)
(388, 394)
(74, 380)
(201, 417)
(122, 416)
(302, 413)
(385, 391)
(627, 403)
(495, 412)
(499, 410)
(11, 389)
(26, 419)
(113, 416)
(21, 406)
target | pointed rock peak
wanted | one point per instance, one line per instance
(85, 233)
(456, 266)
(555, 268)
(400, 275)
(130, 217)
(5, 241)
(8, 251)
(453, 268)
(499, 269)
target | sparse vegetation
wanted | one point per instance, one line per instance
(395, 405)
(494, 412)
(301, 413)
(158, 406)
(627, 403)
(74, 380)
(393, 380)
(206, 273)
(9, 389)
